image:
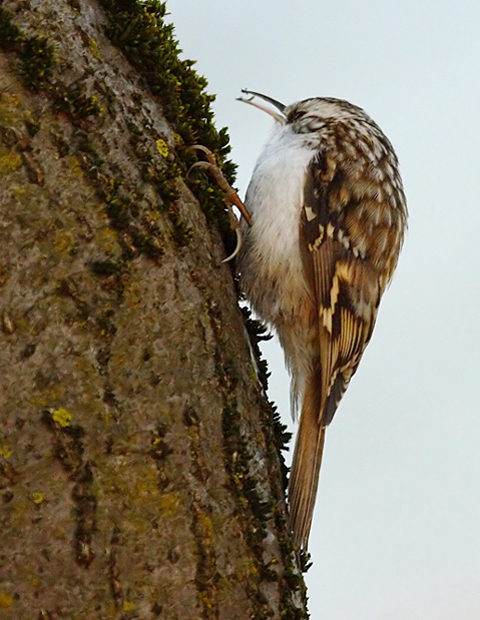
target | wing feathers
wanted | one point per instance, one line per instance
(346, 285)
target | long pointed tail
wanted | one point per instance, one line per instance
(307, 459)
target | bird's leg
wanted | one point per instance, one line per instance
(231, 196)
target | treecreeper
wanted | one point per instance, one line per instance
(323, 224)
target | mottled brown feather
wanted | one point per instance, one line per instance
(346, 245)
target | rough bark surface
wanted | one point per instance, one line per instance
(139, 475)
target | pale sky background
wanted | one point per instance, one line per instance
(396, 534)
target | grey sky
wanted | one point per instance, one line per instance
(396, 533)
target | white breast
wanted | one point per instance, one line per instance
(275, 198)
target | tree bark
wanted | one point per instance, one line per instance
(140, 474)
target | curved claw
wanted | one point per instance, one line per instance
(210, 156)
(238, 247)
(199, 164)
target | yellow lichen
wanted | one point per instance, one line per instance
(5, 600)
(75, 166)
(93, 47)
(146, 489)
(177, 138)
(64, 242)
(162, 147)
(169, 504)
(19, 192)
(224, 587)
(62, 417)
(11, 99)
(128, 606)
(38, 497)
(207, 526)
(109, 240)
(9, 112)
(10, 162)
(206, 599)
(5, 452)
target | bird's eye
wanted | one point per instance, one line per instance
(296, 115)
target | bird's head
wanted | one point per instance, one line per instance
(309, 115)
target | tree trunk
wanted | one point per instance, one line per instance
(140, 474)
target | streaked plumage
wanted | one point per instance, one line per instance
(328, 219)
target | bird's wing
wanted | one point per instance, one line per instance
(351, 230)
(336, 234)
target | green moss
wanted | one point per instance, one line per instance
(36, 62)
(10, 34)
(37, 59)
(257, 333)
(117, 206)
(305, 561)
(68, 446)
(159, 449)
(85, 508)
(73, 101)
(147, 41)
(137, 27)
(36, 54)
(118, 210)
(245, 487)
(68, 449)
(148, 244)
(75, 4)
(180, 232)
(105, 269)
(85, 145)
(105, 324)
(277, 439)
(251, 511)
(166, 183)
(32, 127)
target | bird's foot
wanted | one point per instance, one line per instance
(231, 196)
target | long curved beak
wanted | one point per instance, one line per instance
(278, 116)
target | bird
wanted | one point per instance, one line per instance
(328, 217)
